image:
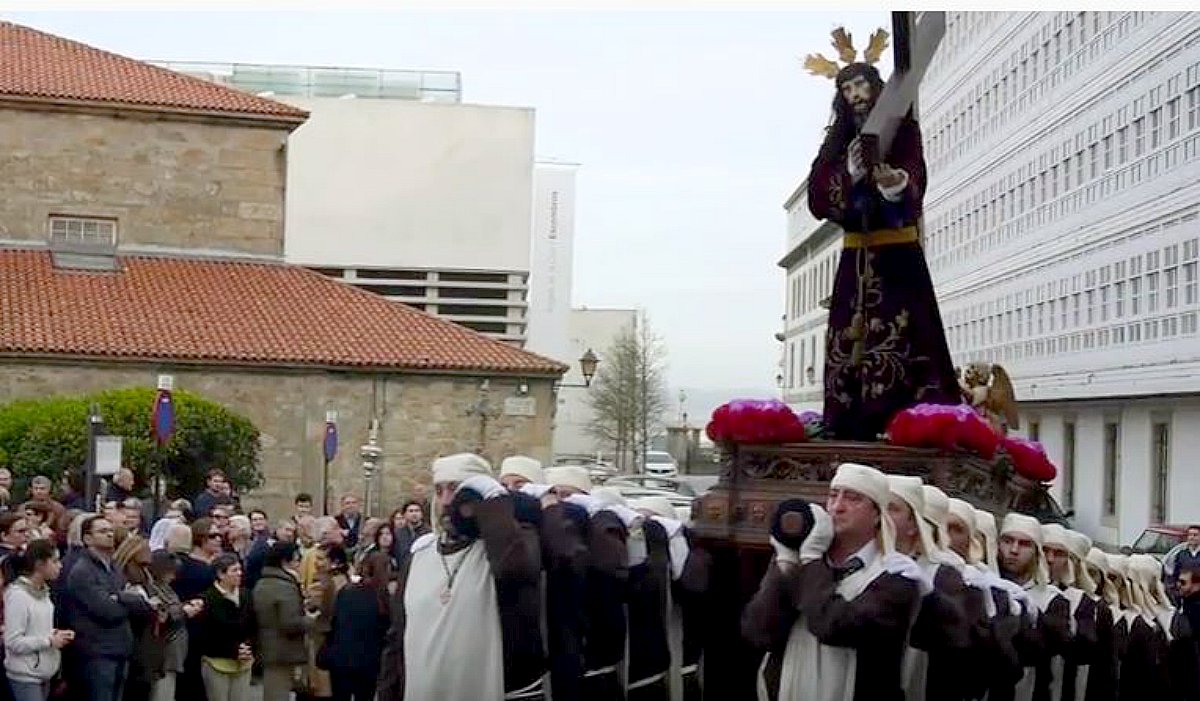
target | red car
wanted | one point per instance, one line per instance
(1158, 540)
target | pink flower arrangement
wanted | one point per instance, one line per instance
(961, 428)
(755, 421)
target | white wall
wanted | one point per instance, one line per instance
(595, 329)
(552, 261)
(1135, 474)
(397, 183)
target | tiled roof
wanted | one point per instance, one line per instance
(197, 310)
(41, 66)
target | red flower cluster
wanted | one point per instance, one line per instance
(945, 427)
(960, 427)
(1029, 458)
(755, 421)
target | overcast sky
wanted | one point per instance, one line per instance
(692, 128)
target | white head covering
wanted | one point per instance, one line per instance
(1097, 558)
(1028, 526)
(1150, 572)
(989, 539)
(964, 512)
(569, 476)
(1054, 534)
(908, 490)
(937, 508)
(458, 467)
(522, 466)
(1079, 545)
(872, 484)
(1119, 565)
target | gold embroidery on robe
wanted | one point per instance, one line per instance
(886, 355)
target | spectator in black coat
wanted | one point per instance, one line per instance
(98, 610)
(408, 524)
(226, 629)
(360, 621)
(196, 576)
(213, 494)
(350, 520)
(285, 532)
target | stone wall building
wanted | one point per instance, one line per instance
(141, 232)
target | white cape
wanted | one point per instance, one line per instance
(452, 651)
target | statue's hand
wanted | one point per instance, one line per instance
(889, 177)
(854, 160)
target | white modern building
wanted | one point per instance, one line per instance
(812, 250)
(397, 187)
(593, 329)
(1062, 224)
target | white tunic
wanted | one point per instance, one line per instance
(453, 650)
(816, 672)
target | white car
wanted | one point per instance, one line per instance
(660, 464)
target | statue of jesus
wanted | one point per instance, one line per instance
(885, 346)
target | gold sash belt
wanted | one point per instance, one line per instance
(881, 237)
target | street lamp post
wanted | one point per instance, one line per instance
(370, 454)
(587, 367)
(95, 428)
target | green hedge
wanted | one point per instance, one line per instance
(49, 436)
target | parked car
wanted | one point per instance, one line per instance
(660, 464)
(599, 470)
(1157, 540)
(679, 493)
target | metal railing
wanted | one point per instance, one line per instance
(316, 81)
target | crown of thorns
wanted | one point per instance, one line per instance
(819, 65)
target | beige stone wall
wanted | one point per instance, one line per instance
(421, 417)
(168, 183)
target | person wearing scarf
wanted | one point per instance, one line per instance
(451, 610)
(686, 614)
(1046, 628)
(940, 637)
(1103, 670)
(565, 533)
(835, 607)
(1072, 668)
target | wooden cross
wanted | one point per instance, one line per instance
(913, 48)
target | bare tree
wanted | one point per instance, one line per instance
(628, 397)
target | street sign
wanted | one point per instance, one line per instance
(108, 455)
(520, 406)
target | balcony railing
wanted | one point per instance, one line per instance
(315, 81)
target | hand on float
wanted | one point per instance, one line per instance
(537, 491)
(485, 486)
(895, 563)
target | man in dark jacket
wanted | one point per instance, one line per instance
(282, 622)
(98, 610)
(350, 520)
(414, 527)
(214, 494)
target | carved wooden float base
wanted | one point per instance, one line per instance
(754, 479)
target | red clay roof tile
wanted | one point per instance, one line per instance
(231, 312)
(37, 65)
